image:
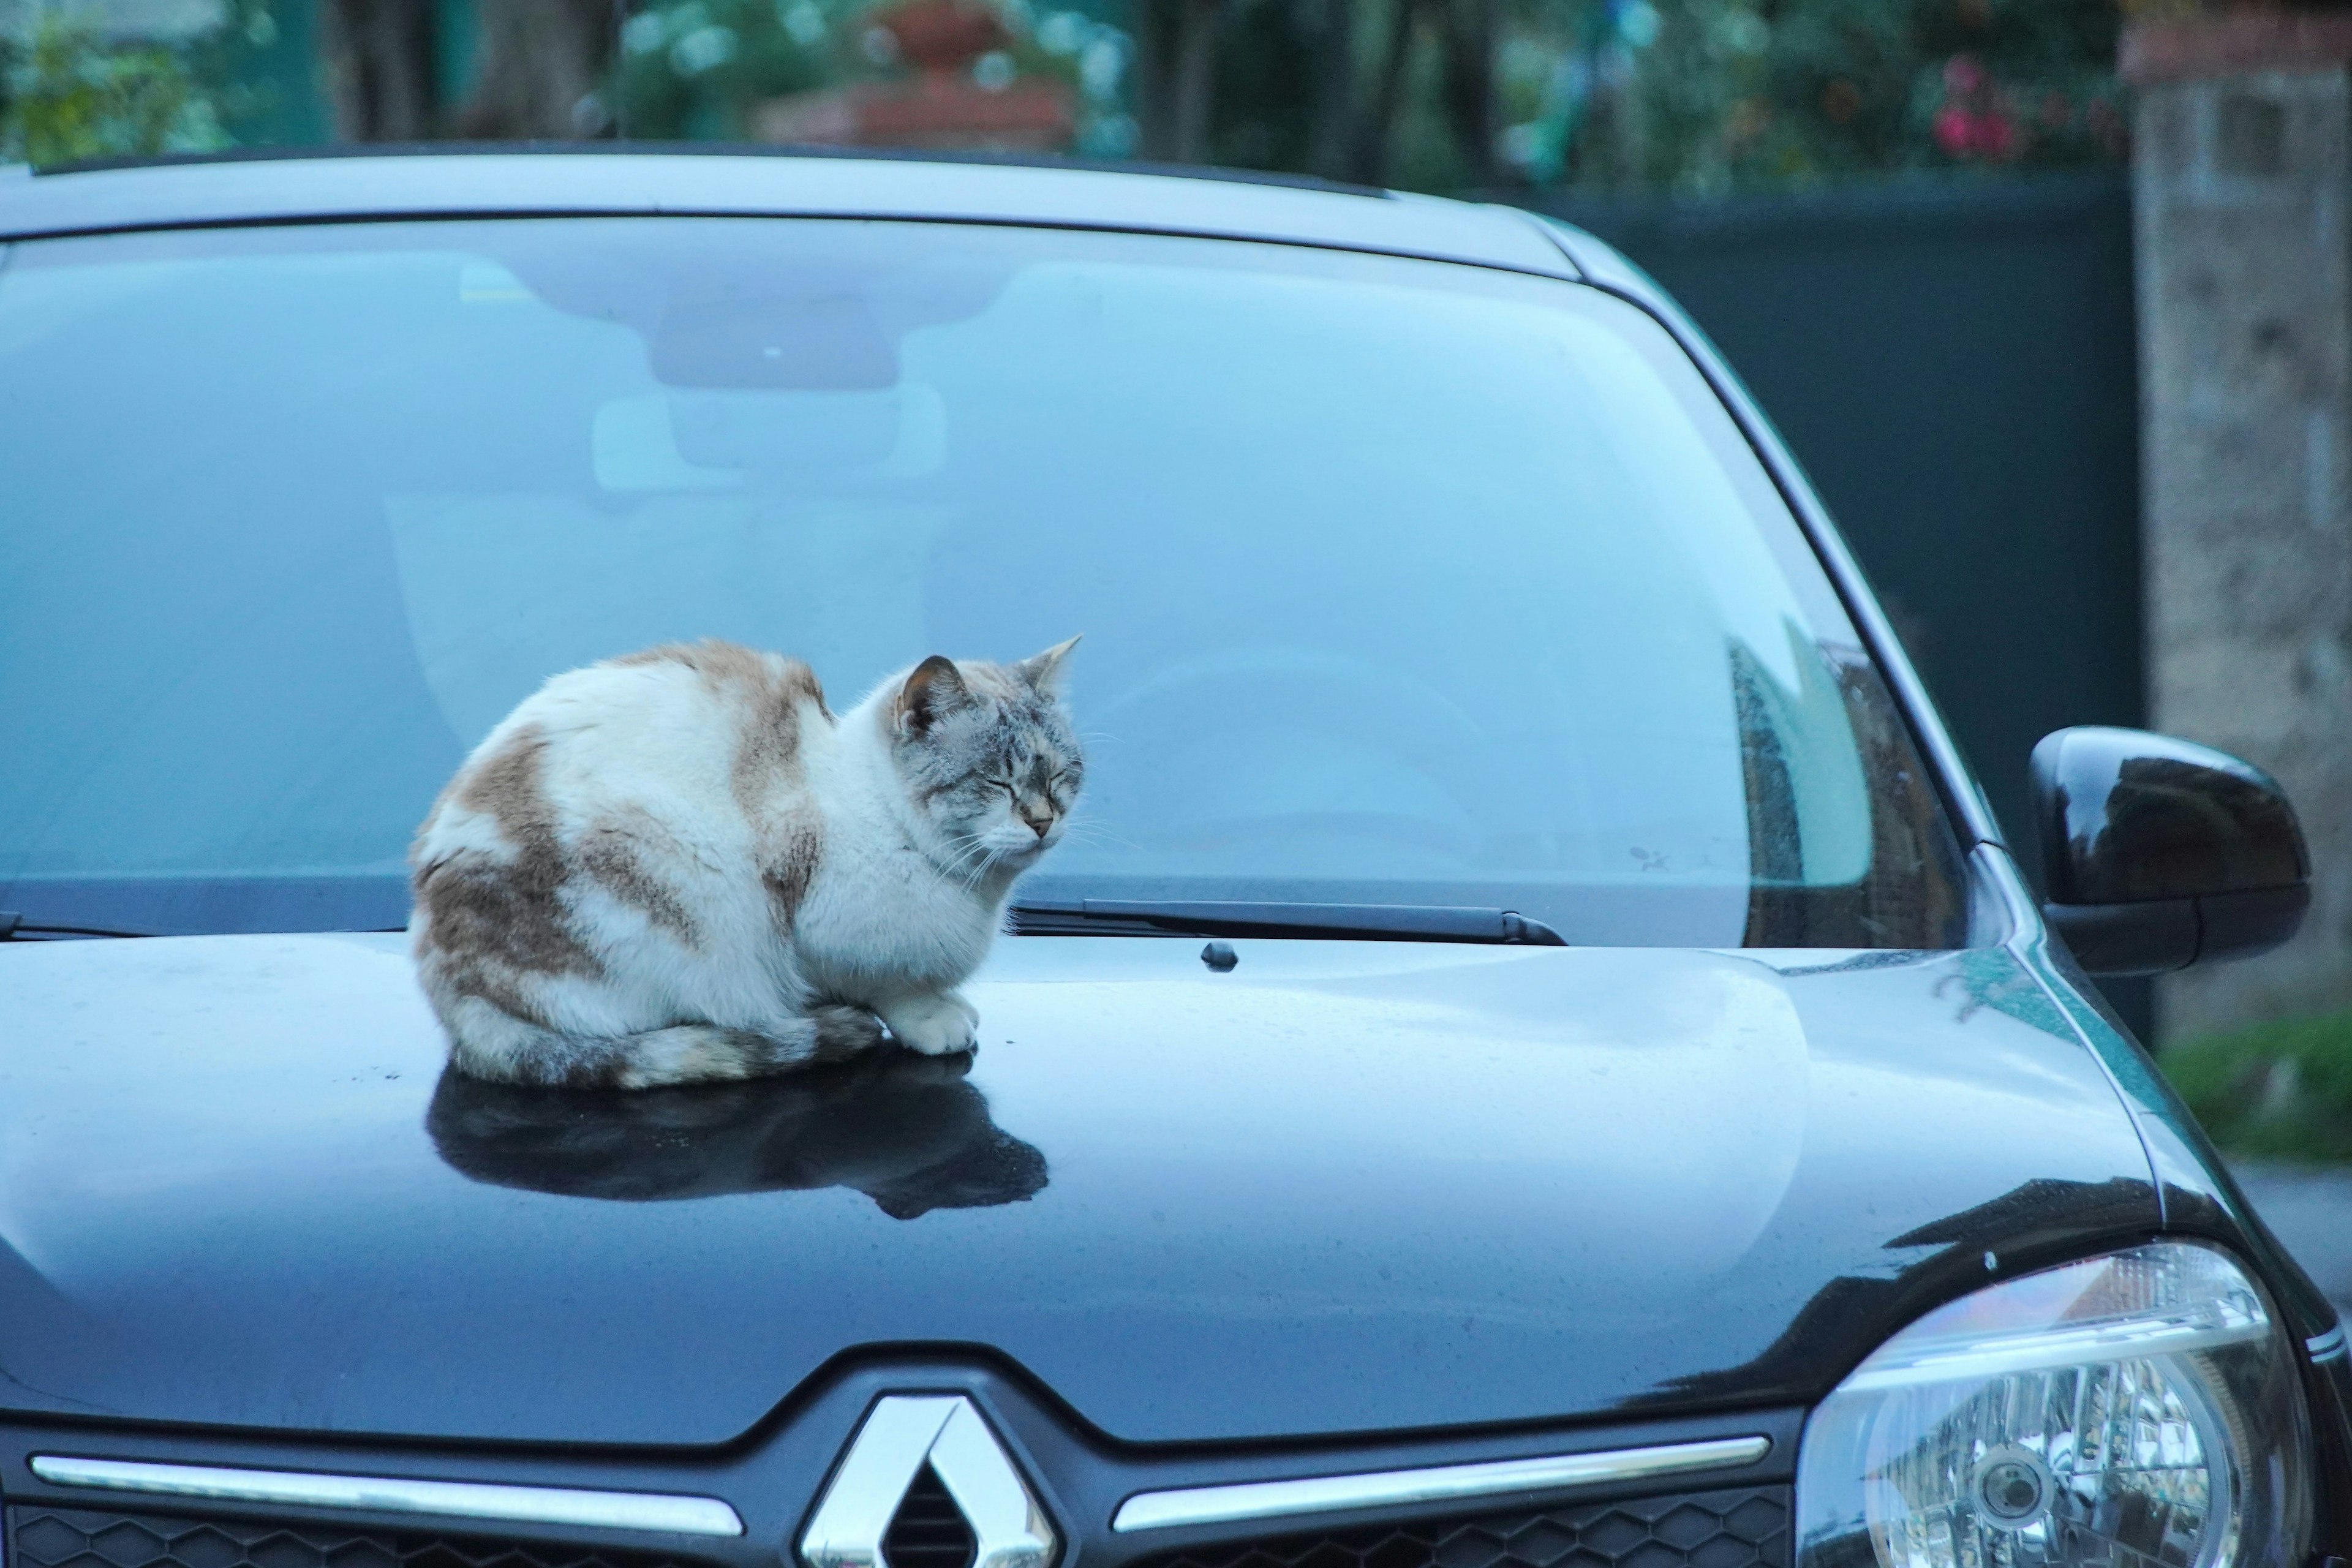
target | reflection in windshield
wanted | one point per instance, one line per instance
(907, 1130)
(1403, 583)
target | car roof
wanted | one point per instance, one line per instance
(514, 181)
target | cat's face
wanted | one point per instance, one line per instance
(989, 757)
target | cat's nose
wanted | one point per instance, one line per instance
(1038, 821)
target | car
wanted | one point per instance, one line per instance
(1535, 1053)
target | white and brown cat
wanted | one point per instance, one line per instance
(681, 866)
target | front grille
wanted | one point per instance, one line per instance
(1747, 1528)
(77, 1538)
(928, 1531)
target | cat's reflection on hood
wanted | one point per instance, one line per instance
(905, 1129)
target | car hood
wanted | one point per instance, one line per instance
(1346, 1187)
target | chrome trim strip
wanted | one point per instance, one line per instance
(391, 1494)
(2326, 1346)
(1443, 1483)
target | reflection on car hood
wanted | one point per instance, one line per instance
(1349, 1187)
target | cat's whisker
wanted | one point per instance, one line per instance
(1088, 830)
(970, 870)
(963, 847)
(969, 864)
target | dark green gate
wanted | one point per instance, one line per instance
(1954, 365)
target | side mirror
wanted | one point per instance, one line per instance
(2157, 854)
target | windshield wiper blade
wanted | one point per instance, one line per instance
(1404, 923)
(12, 925)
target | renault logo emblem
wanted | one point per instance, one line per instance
(901, 1435)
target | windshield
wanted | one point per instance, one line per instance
(1401, 582)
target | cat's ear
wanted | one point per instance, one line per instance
(1043, 672)
(935, 690)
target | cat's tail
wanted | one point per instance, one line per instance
(512, 1050)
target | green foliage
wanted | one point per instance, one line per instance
(697, 68)
(2281, 1089)
(700, 69)
(73, 94)
(1712, 95)
(261, 78)
(1694, 96)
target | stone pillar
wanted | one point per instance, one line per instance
(2243, 170)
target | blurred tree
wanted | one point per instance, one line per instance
(702, 67)
(1376, 133)
(1261, 96)
(1323, 87)
(1176, 59)
(542, 69)
(1432, 119)
(1466, 36)
(69, 91)
(1327, 31)
(836, 69)
(1709, 95)
(1695, 95)
(379, 57)
(1691, 95)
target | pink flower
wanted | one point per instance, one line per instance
(1955, 130)
(1962, 134)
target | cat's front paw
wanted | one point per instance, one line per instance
(934, 1025)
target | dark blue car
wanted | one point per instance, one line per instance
(1536, 1055)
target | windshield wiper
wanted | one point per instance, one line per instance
(14, 925)
(1404, 923)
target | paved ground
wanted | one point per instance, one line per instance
(2312, 1213)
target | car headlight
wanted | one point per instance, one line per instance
(2140, 1410)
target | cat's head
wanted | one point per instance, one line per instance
(988, 754)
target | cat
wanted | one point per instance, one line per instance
(679, 866)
